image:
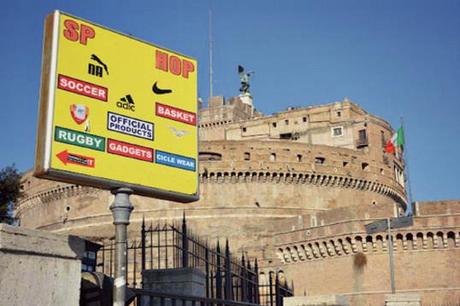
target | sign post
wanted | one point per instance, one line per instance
(121, 210)
(116, 113)
(386, 225)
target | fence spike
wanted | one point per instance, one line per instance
(185, 239)
(143, 246)
(277, 289)
(218, 273)
(227, 248)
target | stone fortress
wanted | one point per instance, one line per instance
(294, 189)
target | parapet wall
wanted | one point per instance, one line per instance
(297, 163)
(259, 181)
(355, 264)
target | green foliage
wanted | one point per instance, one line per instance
(10, 191)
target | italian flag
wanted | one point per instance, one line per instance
(397, 140)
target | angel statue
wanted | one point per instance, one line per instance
(244, 78)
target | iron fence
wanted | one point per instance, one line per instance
(147, 298)
(272, 293)
(175, 246)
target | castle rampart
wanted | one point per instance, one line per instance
(355, 264)
(294, 189)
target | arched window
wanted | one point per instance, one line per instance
(430, 241)
(450, 239)
(209, 156)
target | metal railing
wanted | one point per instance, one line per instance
(147, 298)
(171, 246)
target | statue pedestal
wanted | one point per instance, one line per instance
(246, 98)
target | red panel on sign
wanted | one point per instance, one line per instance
(175, 114)
(82, 88)
(76, 159)
(129, 150)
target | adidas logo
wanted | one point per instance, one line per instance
(127, 103)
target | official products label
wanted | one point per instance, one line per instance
(80, 139)
(129, 150)
(129, 126)
(82, 88)
(175, 114)
(174, 160)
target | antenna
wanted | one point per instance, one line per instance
(210, 50)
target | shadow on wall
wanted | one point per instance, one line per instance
(359, 264)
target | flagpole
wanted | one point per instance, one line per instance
(211, 72)
(406, 170)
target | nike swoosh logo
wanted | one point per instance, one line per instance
(160, 91)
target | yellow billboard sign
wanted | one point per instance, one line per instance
(116, 111)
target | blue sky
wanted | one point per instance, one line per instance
(394, 58)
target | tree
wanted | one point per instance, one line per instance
(10, 191)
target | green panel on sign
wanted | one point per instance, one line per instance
(79, 139)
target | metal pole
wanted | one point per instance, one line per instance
(390, 253)
(409, 210)
(121, 210)
(211, 72)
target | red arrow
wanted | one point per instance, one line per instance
(63, 156)
(76, 159)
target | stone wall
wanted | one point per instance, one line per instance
(39, 268)
(341, 258)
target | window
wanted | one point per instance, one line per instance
(274, 124)
(362, 139)
(247, 156)
(286, 136)
(365, 166)
(244, 130)
(273, 157)
(345, 163)
(286, 122)
(339, 114)
(399, 175)
(337, 131)
(299, 157)
(304, 119)
(313, 221)
(362, 135)
(382, 138)
(320, 160)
